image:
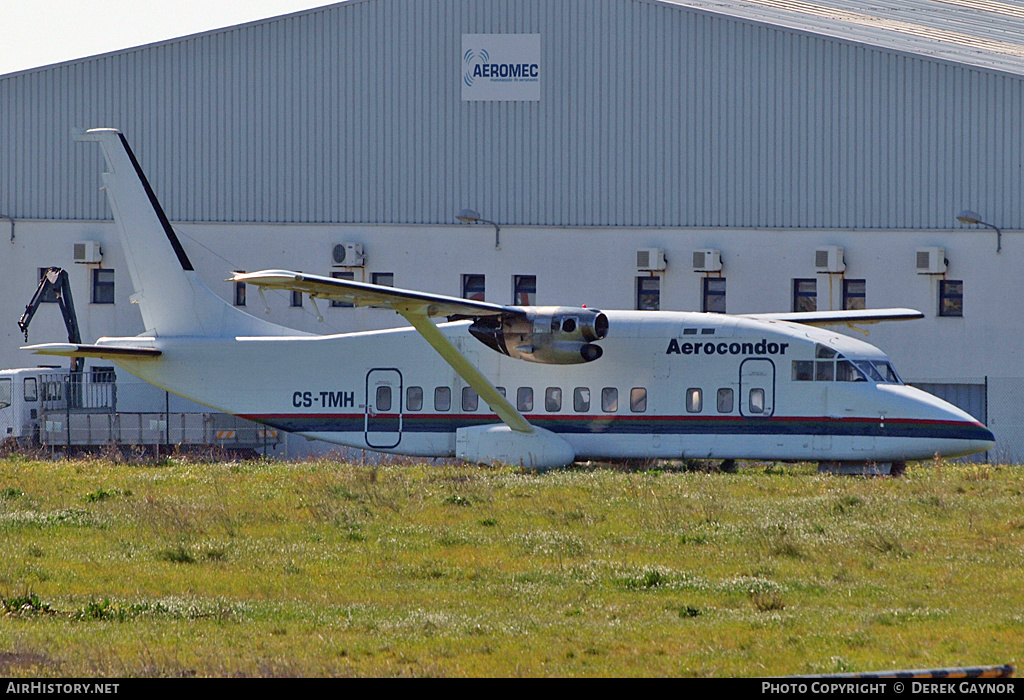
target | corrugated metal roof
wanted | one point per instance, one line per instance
(981, 33)
(653, 113)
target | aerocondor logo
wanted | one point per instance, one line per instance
(501, 67)
(761, 347)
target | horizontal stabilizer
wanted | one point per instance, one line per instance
(105, 352)
(843, 317)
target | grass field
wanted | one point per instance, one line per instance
(320, 568)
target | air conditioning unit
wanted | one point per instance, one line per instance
(707, 260)
(88, 252)
(650, 259)
(829, 259)
(931, 260)
(349, 255)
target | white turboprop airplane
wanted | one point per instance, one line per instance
(537, 386)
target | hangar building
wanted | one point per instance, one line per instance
(725, 155)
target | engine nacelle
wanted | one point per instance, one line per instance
(552, 335)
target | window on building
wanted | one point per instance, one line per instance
(414, 398)
(470, 399)
(473, 287)
(609, 399)
(714, 295)
(524, 290)
(102, 286)
(854, 294)
(694, 400)
(552, 399)
(805, 295)
(524, 398)
(239, 290)
(638, 400)
(103, 375)
(344, 275)
(648, 293)
(442, 399)
(951, 298)
(50, 295)
(384, 279)
(581, 399)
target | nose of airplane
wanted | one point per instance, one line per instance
(950, 431)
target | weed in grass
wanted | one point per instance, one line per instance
(24, 605)
(767, 601)
(176, 555)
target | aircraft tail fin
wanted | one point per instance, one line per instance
(172, 298)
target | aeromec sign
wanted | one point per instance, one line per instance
(501, 67)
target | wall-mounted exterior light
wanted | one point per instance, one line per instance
(969, 217)
(469, 216)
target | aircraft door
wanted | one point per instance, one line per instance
(383, 418)
(757, 388)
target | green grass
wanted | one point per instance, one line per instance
(333, 569)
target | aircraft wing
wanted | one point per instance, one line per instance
(856, 317)
(105, 352)
(417, 308)
(364, 294)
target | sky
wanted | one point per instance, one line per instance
(41, 32)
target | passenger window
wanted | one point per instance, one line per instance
(501, 390)
(581, 399)
(5, 393)
(31, 389)
(524, 398)
(552, 399)
(609, 399)
(756, 404)
(414, 398)
(694, 400)
(725, 401)
(383, 398)
(803, 371)
(442, 399)
(470, 399)
(638, 400)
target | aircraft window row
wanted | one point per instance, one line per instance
(524, 399)
(725, 400)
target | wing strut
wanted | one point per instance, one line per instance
(465, 369)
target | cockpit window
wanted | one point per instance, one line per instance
(833, 367)
(888, 373)
(847, 372)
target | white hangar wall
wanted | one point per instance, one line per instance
(650, 114)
